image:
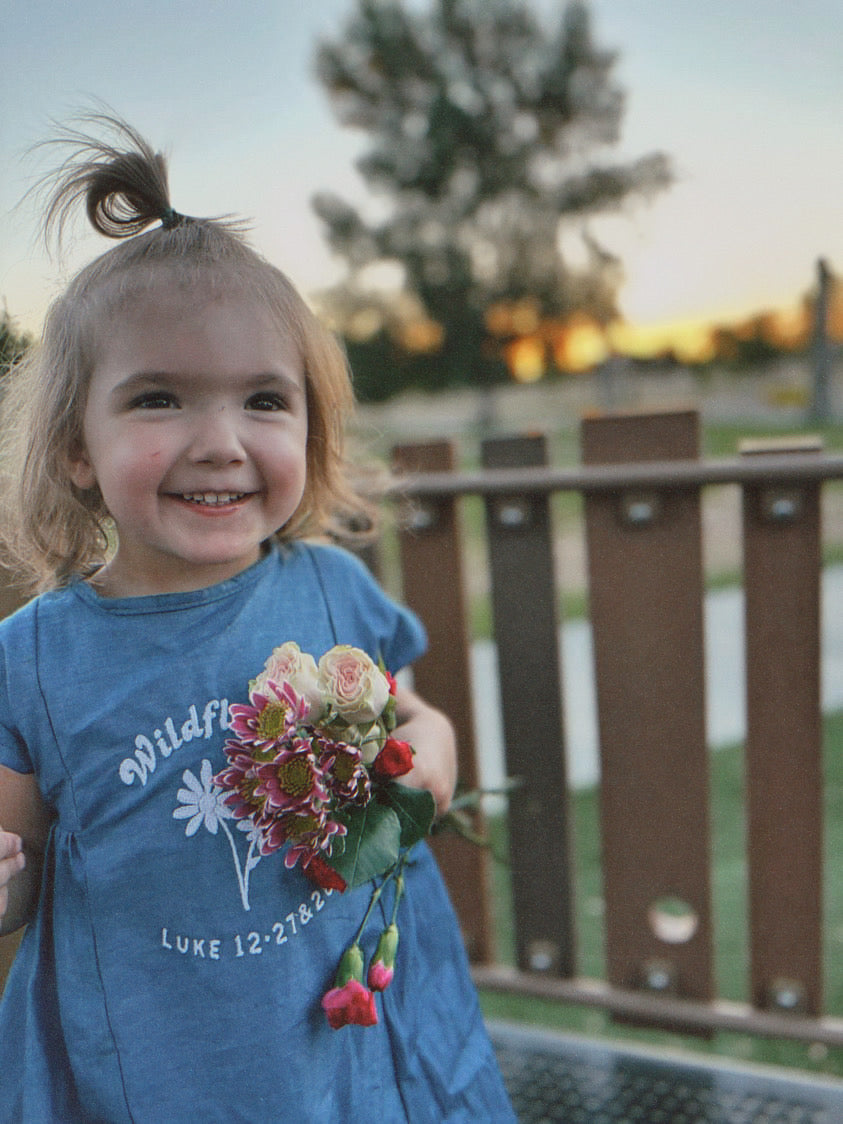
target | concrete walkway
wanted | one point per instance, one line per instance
(726, 712)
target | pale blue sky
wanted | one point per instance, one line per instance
(745, 95)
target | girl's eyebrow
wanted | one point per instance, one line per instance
(141, 380)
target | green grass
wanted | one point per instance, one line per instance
(722, 440)
(730, 912)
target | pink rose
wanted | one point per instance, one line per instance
(350, 1005)
(394, 760)
(288, 664)
(356, 688)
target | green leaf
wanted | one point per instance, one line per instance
(371, 845)
(415, 809)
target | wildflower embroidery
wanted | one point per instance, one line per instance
(201, 804)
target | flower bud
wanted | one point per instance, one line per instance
(394, 760)
(382, 968)
(351, 966)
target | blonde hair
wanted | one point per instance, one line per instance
(51, 530)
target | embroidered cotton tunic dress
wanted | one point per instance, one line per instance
(171, 973)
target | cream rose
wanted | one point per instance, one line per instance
(289, 664)
(356, 688)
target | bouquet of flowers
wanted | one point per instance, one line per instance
(312, 765)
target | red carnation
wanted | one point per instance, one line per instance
(351, 1004)
(323, 875)
(394, 760)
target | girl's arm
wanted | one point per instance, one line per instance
(431, 735)
(24, 826)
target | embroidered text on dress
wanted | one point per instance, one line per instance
(167, 738)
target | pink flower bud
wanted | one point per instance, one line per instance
(382, 968)
(380, 977)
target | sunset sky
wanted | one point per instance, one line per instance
(745, 96)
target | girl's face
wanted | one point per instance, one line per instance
(195, 432)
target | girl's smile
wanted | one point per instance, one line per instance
(195, 432)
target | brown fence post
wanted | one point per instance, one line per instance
(432, 571)
(527, 636)
(784, 779)
(646, 597)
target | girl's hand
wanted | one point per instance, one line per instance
(432, 737)
(26, 820)
(12, 862)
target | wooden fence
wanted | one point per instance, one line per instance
(641, 482)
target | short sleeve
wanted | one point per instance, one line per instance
(363, 614)
(13, 751)
(18, 679)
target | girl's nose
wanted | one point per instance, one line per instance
(216, 438)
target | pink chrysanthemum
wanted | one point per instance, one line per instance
(344, 771)
(293, 779)
(241, 781)
(270, 719)
(309, 835)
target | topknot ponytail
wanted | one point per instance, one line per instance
(122, 181)
(51, 531)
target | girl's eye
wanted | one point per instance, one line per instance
(154, 400)
(266, 400)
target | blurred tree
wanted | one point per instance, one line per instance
(13, 343)
(484, 129)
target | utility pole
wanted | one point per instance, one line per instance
(820, 350)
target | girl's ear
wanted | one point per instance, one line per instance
(80, 470)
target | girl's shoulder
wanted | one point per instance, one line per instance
(359, 607)
(332, 560)
(21, 634)
(342, 576)
(24, 620)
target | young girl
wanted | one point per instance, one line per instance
(178, 438)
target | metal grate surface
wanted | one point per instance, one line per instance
(552, 1078)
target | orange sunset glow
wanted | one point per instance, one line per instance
(533, 346)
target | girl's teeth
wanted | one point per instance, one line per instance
(213, 499)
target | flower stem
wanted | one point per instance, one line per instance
(242, 881)
(394, 870)
(376, 893)
(399, 886)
